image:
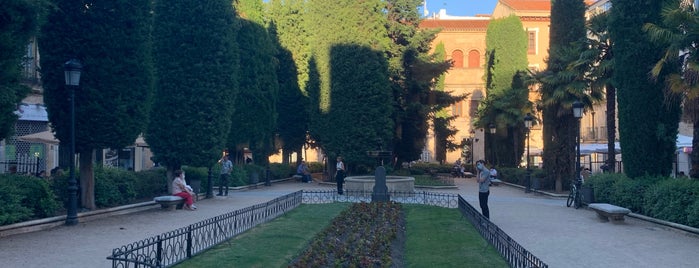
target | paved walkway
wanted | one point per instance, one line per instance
(558, 235)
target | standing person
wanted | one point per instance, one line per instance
(340, 174)
(483, 187)
(226, 168)
(179, 188)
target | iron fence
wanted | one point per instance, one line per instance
(173, 247)
(515, 255)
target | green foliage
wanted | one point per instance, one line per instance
(316, 167)
(25, 198)
(351, 107)
(111, 38)
(196, 60)
(151, 182)
(114, 186)
(672, 200)
(629, 193)
(19, 20)
(239, 176)
(561, 87)
(281, 171)
(255, 118)
(647, 136)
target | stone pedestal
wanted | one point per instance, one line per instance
(380, 193)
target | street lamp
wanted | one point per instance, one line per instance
(528, 119)
(473, 146)
(492, 129)
(578, 108)
(72, 70)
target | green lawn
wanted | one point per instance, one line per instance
(436, 237)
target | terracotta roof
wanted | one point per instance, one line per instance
(455, 24)
(528, 4)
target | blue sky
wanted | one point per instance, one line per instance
(461, 7)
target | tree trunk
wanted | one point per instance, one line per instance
(694, 155)
(87, 179)
(611, 128)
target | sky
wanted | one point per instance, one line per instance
(461, 7)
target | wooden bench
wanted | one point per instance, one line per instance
(607, 211)
(169, 202)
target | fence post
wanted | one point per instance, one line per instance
(159, 252)
(189, 241)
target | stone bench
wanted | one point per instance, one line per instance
(607, 211)
(169, 202)
(495, 182)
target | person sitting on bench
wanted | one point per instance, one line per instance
(181, 189)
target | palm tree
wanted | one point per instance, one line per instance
(598, 63)
(679, 32)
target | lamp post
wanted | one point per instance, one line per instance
(473, 146)
(72, 70)
(578, 108)
(528, 119)
(492, 129)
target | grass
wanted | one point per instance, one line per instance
(440, 237)
(436, 237)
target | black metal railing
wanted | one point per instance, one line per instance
(513, 252)
(173, 247)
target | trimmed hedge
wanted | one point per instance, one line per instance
(25, 198)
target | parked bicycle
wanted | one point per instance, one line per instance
(575, 198)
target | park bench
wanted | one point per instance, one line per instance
(169, 202)
(297, 177)
(608, 211)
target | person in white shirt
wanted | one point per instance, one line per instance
(340, 174)
(181, 189)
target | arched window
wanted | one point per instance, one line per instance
(474, 59)
(458, 57)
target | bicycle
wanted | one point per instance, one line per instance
(575, 198)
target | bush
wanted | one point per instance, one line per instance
(25, 198)
(672, 200)
(239, 176)
(603, 186)
(422, 168)
(629, 193)
(281, 171)
(114, 187)
(151, 183)
(315, 167)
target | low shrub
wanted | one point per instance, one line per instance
(114, 186)
(25, 198)
(672, 200)
(281, 171)
(151, 183)
(629, 193)
(315, 167)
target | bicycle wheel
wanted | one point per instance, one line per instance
(571, 196)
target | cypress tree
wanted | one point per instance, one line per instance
(560, 89)
(648, 116)
(112, 40)
(196, 60)
(507, 99)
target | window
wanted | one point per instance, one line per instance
(458, 57)
(474, 59)
(531, 45)
(456, 109)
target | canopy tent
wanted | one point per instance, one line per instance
(40, 137)
(48, 138)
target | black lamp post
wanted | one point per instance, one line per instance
(473, 146)
(578, 108)
(72, 70)
(528, 119)
(492, 129)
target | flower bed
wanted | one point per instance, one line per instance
(362, 236)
